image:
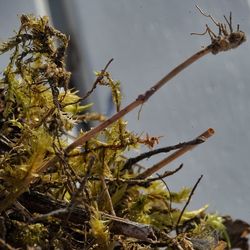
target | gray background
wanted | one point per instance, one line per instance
(147, 39)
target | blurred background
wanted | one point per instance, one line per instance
(147, 39)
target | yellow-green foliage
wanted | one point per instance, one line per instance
(99, 229)
(30, 235)
(37, 111)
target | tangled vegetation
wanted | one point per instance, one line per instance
(85, 194)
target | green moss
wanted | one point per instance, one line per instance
(37, 111)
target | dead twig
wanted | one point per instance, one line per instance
(165, 174)
(98, 79)
(138, 101)
(106, 191)
(188, 201)
(131, 161)
(170, 195)
(203, 137)
(140, 181)
(73, 201)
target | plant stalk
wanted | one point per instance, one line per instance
(138, 101)
(204, 136)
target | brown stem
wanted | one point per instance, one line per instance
(204, 136)
(131, 161)
(109, 200)
(139, 100)
(188, 201)
(98, 79)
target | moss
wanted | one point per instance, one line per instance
(57, 195)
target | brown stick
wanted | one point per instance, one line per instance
(139, 100)
(188, 201)
(204, 136)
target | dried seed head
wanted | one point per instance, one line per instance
(225, 43)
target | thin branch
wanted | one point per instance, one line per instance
(73, 201)
(47, 216)
(165, 174)
(98, 79)
(170, 195)
(207, 15)
(188, 201)
(140, 181)
(204, 136)
(139, 166)
(108, 196)
(131, 161)
(138, 101)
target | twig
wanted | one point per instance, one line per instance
(132, 161)
(204, 136)
(72, 203)
(166, 174)
(218, 44)
(54, 213)
(139, 100)
(98, 79)
(23, 210)
(170, 196)
(188, 201)
(108, 196)
(139, 166)
(207, 15)
(139, 181)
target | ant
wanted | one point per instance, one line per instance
(225, 40)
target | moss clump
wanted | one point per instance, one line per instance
(53, 195)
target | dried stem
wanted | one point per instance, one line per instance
(109, 200)
(139, 100)
(204, 136)
(73, 201)
(98, 79)
(132, 161)
(188, 201)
